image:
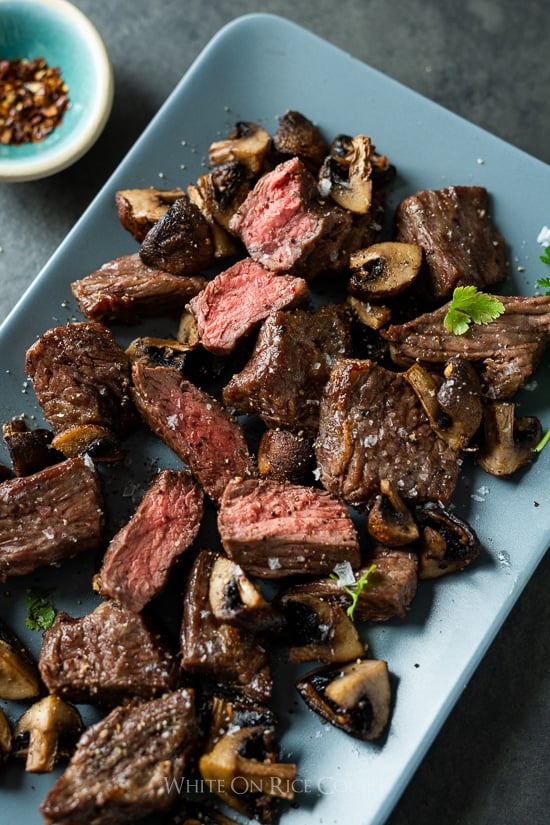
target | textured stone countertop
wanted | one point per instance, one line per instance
(486, 60)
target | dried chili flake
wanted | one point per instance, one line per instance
(33, 99)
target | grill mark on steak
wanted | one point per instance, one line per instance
(286, 227)
(127, 765)
(140, 556)
(461, 245)
(238, 299)
(371, 427)
(126, 289)
(51, 515)
(506, 352)
(290, 364)
(274, 529)
(194, 425)
(105, 657)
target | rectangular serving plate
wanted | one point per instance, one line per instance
(255, 69)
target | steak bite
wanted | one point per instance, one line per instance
(180, 242)
(274, 529)
(505, 352)
(194, 425)
(372, 426)
(224, 653)
(125, 290)
(140, 556)
(284, 379)
(238, 299)
(51, 515)
(81, 378)
(287, 227)
(105, 657)
(461, 245)
(127, 765)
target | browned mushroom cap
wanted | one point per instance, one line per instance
(243, 770)
(47, 733)
(235, 599)
(508, 440)
(180, 242)
(389, 520)
(374, 316)
(219, 193)
(30, 450)
(18, 673)
(345, 175)
(317, 630)
(5, 737)
(221, 713)
(139, 209)
(447, 542)
(285, 455)
(297, 135)
(247, 143)
(383, 270)
(355, 698)
(98, 442)
(158, 352)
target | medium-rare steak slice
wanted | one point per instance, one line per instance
(461, 245)
(505, 352)
(127, 765)
(274, 529)
(48, 516)
(290, 364)
(81, 378)
(105, 657)
(224, 653)
(287, 227)
(239, 299)
(125, 290)
(371, 427)
(194, 424)
(140, 556)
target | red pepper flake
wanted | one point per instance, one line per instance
(33, 99)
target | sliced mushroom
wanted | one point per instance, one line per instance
(297, 135)
(285, 455)
(5, 737)
(180, 242)
(30, 450)
(374, 316)
(317, 630)
(98, 442)
(389, 520)
(355, 698)
(384, 269)
(47, 733)
(18, 672)
(139, 209)
(508, 440)
(243, 771)
(235, 599)
(247, 143)
(447, 542)
(158, 352)
(345, 175)
(221, 713)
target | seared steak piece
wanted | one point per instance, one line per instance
(505, 352)
(238, 299)
(140, 556)
(139, 209)
(226, 654)
(372, 426)
(284, 379)
(389, 591)
(81, 378)
(125, 290)
(461, 245)
(127, 765)
(287, 227)
(180, 242)
(199, 430)
(274, 529)
(105, 657)
(49, 516)
(30, 450)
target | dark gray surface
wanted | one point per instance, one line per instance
(484, 59)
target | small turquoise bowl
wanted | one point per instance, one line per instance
(61, 34)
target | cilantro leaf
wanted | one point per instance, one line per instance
(355, 590)
(40, 611)
(468, 306)
(545, 257)
(544, 283)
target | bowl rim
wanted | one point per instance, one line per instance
(77, 144)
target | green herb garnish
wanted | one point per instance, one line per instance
(355, 590)
(544, 283)
(468, 306)
(543, 442)
(545, 257)
(40, 611)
